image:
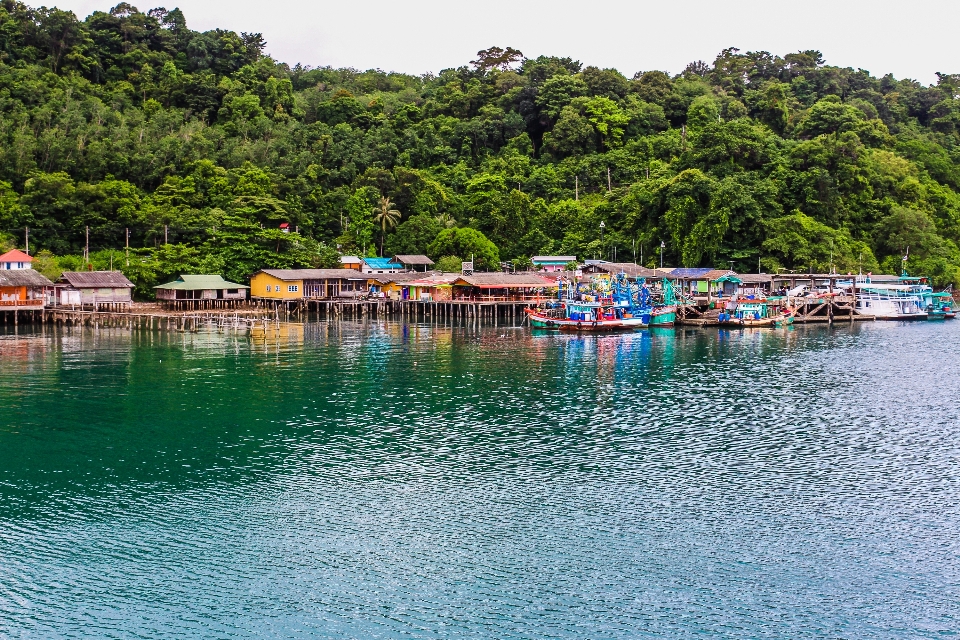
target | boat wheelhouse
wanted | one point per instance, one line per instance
(892, 301)
(755, 312)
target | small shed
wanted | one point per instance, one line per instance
(107, 290)
(552, 263)
(413, 262)
(201, 292)
(351, 262)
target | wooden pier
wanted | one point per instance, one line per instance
(494, 311)
(256, 312)
(828, 309)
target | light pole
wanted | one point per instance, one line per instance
(663, 245)
(602, 227)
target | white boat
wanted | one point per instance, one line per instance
(889, 301)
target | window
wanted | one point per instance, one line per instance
(293, 288)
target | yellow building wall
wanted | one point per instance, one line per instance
(261, 281)
(392, 290)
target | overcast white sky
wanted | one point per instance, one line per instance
(909, 39)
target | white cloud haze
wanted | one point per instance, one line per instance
(912, 40)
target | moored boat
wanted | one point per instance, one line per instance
(755, 312)
(578, 317)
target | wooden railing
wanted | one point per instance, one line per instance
(511, 298)
(22, 303)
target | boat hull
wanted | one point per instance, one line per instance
(663, 317)
(538, 321)
(635, 323)
(748, 323)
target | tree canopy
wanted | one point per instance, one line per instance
(200, 146)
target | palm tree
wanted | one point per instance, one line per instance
(386, 217)
(446, 220)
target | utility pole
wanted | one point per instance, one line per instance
(576, 188)
(86, 250)
(165, 234)
(609, 184)
(26, 240)
(128, 246)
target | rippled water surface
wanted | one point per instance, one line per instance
(400, 481)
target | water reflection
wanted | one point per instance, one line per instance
(364, 479)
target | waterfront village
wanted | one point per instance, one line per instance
(559, 292)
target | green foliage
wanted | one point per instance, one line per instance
(414, 236)
(468, 243)
(799, 240)
(199, 147)
(448, 264)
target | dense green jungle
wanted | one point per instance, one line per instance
(130, 129)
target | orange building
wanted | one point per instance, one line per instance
(20, 286)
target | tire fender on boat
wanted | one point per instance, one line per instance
(579, 325)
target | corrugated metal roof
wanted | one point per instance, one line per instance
(563, 259)
(417, 259)
(433, 280)
(349, 260)
(690, 272)
(23, 278)
(716, 274)
(95, 279)
(403, 276)
(629, 268)
(754, 278)
(315, 274)
(506, 280)
(197, 282)
(380, 263)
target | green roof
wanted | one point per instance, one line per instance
(729, 278)
(201, 282)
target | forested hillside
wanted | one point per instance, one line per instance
(202, 146)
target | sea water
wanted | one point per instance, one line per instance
(390, 480)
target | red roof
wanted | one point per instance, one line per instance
(284, 225)
(15, 255)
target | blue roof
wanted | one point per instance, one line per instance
(380, 263)
(690, 272)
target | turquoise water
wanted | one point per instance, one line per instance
(392, 481)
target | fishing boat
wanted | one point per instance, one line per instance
(578, 317)
(640, 307)
(665, 314)
(755, 312)
(575, 311)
